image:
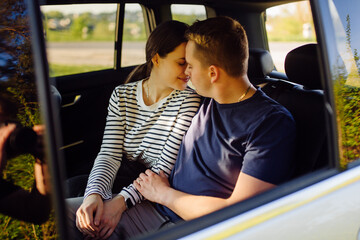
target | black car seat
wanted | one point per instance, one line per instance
(303, 96)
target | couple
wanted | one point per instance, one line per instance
(238, 144)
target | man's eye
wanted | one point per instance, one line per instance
(182, 63)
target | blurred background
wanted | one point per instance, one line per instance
(80, 39)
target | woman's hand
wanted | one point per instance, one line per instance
(85, 222)
(152, 186)
(113, 209)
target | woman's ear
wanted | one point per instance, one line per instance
(155, 60)
(214, 73)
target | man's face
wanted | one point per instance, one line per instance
(198, 74)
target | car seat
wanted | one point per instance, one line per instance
(303, 96)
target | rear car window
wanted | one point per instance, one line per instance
(288, 26)
(134, 36)
(188, 13)
(79, 37)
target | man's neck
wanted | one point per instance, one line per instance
(234, 90)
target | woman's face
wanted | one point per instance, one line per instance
(172, 68)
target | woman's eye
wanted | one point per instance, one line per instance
(182, 63)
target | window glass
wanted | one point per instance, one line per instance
(79, 37)
(19, 107)
(288, 26)
(134, 36)
(188, 13)
(345, 67)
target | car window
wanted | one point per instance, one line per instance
(79, 37)
(346, 75)
(134, 36)
(288, 26)
(19, 105)
(188, 13)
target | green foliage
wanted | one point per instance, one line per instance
(347, 99)
(54, 15)
(348, 111)
(14, 229)
(28, 112)
(134, 31)
(188, 18)
(289, 23)
(287, 29)
(81, 28)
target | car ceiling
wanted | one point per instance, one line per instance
(254, 4)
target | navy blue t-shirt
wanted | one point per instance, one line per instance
(255, 136)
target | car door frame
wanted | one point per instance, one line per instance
(48, 111)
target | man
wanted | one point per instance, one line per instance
(19, 203)
(239, 144)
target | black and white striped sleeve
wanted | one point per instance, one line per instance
(108, 161)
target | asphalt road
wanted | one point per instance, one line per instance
(102, 53)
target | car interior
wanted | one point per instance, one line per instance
(85, 96)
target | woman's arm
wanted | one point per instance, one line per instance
(90, 213)
(109, 158)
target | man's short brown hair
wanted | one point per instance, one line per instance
(221, 41)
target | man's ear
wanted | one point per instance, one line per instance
(156, 59)
(214, 73)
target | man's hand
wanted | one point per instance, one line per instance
(42, 178)
(5, 132)
(152, 186)
(85, 221)
(113, 209)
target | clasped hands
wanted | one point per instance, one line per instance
(97, 219)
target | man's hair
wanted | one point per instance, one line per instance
(221, 41)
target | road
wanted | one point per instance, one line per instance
(94, 53)
(102, 53)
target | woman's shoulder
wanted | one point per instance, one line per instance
(187, 93)
(128, 86)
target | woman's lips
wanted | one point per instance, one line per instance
(185, 79)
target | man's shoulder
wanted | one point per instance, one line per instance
(271, 106)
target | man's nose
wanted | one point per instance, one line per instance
(187, 72)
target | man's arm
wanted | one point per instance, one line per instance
(156, 188)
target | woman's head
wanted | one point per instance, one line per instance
(163, 40)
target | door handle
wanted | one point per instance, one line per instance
(74, 101)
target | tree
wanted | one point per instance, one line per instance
(17, 84)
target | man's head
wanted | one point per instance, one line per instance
(216, 43)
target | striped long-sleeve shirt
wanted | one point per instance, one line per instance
(134, 129)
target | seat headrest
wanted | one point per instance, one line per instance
(302, 66)
(260, 63)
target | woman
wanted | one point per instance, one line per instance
(145, 123)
